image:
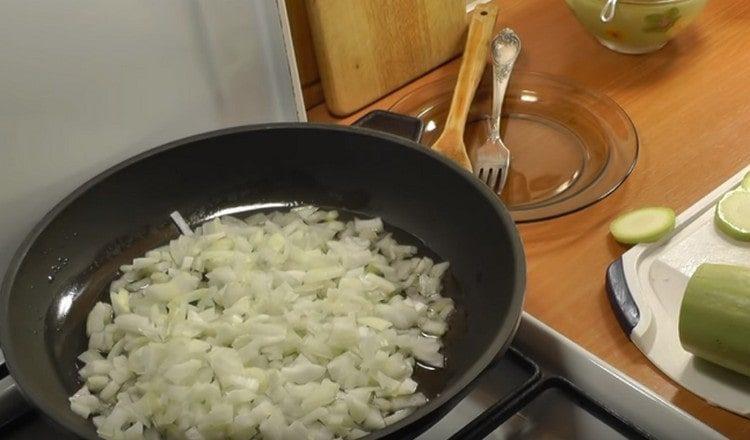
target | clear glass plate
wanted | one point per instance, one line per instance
(570, 147)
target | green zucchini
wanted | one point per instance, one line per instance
(643, 225)
(714, 322)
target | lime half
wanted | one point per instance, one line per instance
(643, 225)
(733, 214)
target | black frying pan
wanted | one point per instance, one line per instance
(124, 211)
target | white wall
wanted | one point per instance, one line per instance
(87, 83)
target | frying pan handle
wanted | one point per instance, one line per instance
(12, 403)
(394, 123)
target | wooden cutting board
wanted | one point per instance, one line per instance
(307, 67)
(368, 48)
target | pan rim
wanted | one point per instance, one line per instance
(447, 397)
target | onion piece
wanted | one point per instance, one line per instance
(285, 325)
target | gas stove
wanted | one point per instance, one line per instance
(544, 387)
(547, 387)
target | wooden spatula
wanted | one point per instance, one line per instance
(451, 140)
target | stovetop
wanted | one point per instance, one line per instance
(544, 387)
(516, 400)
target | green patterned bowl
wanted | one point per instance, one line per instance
(638, 26)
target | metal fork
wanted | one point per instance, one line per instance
(492, 158)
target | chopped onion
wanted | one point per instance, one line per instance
(283, 326)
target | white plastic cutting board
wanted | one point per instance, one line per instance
(85, 84)
(656, 276)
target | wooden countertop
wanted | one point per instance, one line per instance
(690, 103)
